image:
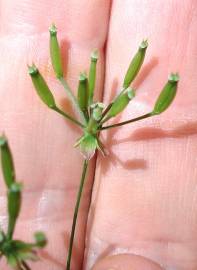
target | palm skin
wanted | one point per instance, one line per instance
(144, 196)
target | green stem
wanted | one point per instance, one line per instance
(25, 266)
(128, 121)
(106, 110)
(11, 226)
(68, 117)
(85, 165)
(72, 98)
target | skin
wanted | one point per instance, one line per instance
(144, 197)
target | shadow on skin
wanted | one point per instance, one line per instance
(151, 133)
(146, 70)
(64, 47)
(142, 134)
(48, 257)
(67, 107)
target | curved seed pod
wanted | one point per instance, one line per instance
(121, 102)
(41, 87)
(14, 205)
(7, 162)
(83, 92)
(55, 52)
(167, 95)
(135, 64)
(92, 75)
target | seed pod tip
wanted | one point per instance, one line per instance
(53, 30)
(144, 44)
(3, 140)
(32, 69)
(82, 76)
(94, 55)
(174, 77)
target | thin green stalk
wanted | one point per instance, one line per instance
(72, 98)
(11, 226)
(85, 165)
(106, 110)
(68, 117)
(25, 266)
(128, 121)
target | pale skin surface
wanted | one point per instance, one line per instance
(144, 198)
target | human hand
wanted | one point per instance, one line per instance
(144, 188)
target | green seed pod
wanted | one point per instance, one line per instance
(135, 64)
(41, 240)
(92, 75)
(83, 92)
(121, 102)
(7, 162)
(167, 95)
(14, 205)
(41, 87)
(55, 52)
(97, 109)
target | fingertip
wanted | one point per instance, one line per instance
(126, 262)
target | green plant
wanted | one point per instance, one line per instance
(16, 252)
(93, 115)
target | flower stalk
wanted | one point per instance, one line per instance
(83, 176)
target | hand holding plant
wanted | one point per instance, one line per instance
(95, 114)
(144, 189)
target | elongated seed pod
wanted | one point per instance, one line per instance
(92, 75)
(167, 95)
(121, 102)
(14, 205)
(41, 87)
(83, 92)
(7, 162)
(135, 64)
(55, 53)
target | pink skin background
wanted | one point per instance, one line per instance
(143, 211)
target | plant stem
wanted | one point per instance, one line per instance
(85, 165)
(68, 117)
(25, 266)
(128, 121)
(106, 110)
(72, 98)
(11, 226)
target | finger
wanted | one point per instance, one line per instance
(144, 189)
(41, 141)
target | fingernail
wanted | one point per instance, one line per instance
(126, 262)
